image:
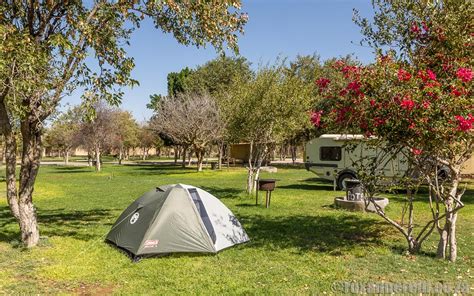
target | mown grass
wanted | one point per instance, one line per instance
(301, 245)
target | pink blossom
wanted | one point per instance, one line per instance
(407, 104)
(403, 75)
(322, 83)
(465, 74)
(350, 70)
(316, 118)
(379, 121)
(416, 151)
(465, 123)
(415, 29)
(354, 85)
(456, 92)
(426, 75)
(431, 75)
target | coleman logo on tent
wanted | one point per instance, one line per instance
(151, 243)
(134, 218)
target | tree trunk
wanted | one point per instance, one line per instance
(200, 158)
(413, 246)
(97, 159)
(443, 242)
(89, 158)
(228, 155)
(127, 153)
(293, 153)
(255, 179)
(453, 246)
(447, 241)
(10, 162)
(143, 154)
(219, 157)
(250, 180)
(176, 156)
(2, 155)
(120, 155)
(183, 154)
(190, 157)
(66, 157)
(30, 163)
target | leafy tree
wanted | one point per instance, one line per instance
(125, 133)
(420, 105)
(43, 57)
(154, 101)
(177, 81)
(309, 69)
(214, 78)
(217, 76)
(147, 139)
(63, 133)
(266, 109)
(97, 134)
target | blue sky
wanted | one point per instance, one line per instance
(276, 28)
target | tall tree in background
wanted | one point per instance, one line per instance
(125, 133)
(63, 133)
(147, 139)
(192, 121)
(43, 57)
(214, 78)
(97, 134)
(177, 81)
(217, 76)
(266, 109)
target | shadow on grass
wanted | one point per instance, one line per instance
(6, 233)
(327, 187)
(222, 192)
(401, 197)
(158, 169)
(72, 169)
(332, 234)
(60, 222)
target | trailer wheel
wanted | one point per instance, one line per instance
(342, 178)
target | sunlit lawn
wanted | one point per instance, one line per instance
(300, 245)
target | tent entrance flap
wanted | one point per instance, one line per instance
(203, 213)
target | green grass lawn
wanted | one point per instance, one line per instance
(300, 245)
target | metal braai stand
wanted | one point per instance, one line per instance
(267, 185)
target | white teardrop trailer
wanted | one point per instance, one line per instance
(330, 159)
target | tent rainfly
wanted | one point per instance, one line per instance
(176, 218)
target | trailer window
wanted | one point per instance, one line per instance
(330, 153)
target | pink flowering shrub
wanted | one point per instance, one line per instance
(418, 109)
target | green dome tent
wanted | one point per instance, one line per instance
(176, 218)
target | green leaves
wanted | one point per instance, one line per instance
(268, 108)
(57, 46)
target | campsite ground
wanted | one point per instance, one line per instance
(300, 245)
